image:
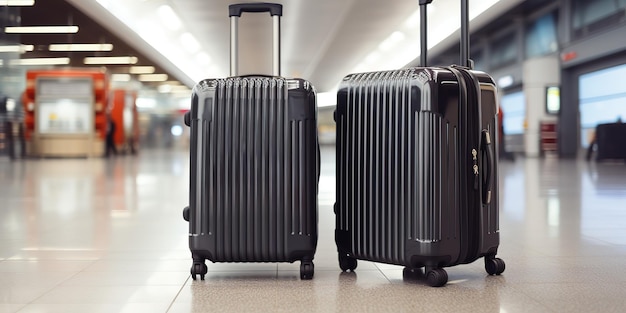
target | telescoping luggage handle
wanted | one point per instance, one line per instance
(465, 60)
(235, 11)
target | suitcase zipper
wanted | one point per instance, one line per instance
(475, 169)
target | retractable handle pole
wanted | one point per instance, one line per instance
(465, 48)
(235, 11)
(465, 60)
(423, 32)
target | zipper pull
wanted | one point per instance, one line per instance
(475, 168)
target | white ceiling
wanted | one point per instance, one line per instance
(322, 40)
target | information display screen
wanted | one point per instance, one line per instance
(65, 105)
(65, 116)
(553, 100)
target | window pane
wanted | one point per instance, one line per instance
(541, 37)
(600, 100)
(504, 50)
(589, 16)
(513, 108)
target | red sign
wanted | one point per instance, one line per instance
(568, 56)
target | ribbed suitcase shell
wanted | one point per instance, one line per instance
(254, 170)
(404, 193)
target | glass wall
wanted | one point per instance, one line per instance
(513, 106)
(541, 36)
(589, 16)
(504, 51)
(602, 98)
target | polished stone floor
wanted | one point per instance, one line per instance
(107, 235)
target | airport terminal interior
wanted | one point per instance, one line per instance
(95, 154)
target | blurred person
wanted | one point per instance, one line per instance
(110, 133)
(501, 142)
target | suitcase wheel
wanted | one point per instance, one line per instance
(187, 118)
(412, 273)
(198, 269)
(347, 263)
(437, 277)
(307, 269)
(186, 213)
(494, 266)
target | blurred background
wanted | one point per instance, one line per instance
(72, 70)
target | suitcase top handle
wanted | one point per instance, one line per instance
(465, 59)
(273, 8)
(234, 11)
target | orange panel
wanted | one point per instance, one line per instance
(116, 109)
(101, 86)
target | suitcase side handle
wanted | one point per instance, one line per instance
(488, 166)
(234, 11)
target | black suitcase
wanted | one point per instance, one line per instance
(609, 141)
(417, 166)
(254, 168)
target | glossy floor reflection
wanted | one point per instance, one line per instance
(107, 235)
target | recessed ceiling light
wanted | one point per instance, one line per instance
(120, 77)
(41, 29)
(16, 48)
(17, 3)
(141, 69)
(81, 47)
(110, 60)
(190, 42)
(153, 77)
(169, 17)
(165, 88)
(41, 61)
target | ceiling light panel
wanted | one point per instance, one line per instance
(40, 61)
(16, 48)
(120, 77)
(41, 29)
(81, 47)
(153, 77)
(169, 17)
(110, 60)
(190, 42)
(141, 69)
(17, 3)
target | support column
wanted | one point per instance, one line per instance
(538, 74)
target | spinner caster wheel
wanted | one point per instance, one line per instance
(437, 277)
(347, 263)
(307, 269)
(412, 273)
(198, 269)
(494, 266)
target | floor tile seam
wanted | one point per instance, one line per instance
(169, 307)
(600, 240)
(57, 285)
(383, 273)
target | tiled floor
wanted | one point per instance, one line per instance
(107, 235)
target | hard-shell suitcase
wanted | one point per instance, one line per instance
(417, 167)
(254, 168)
(609, 138)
